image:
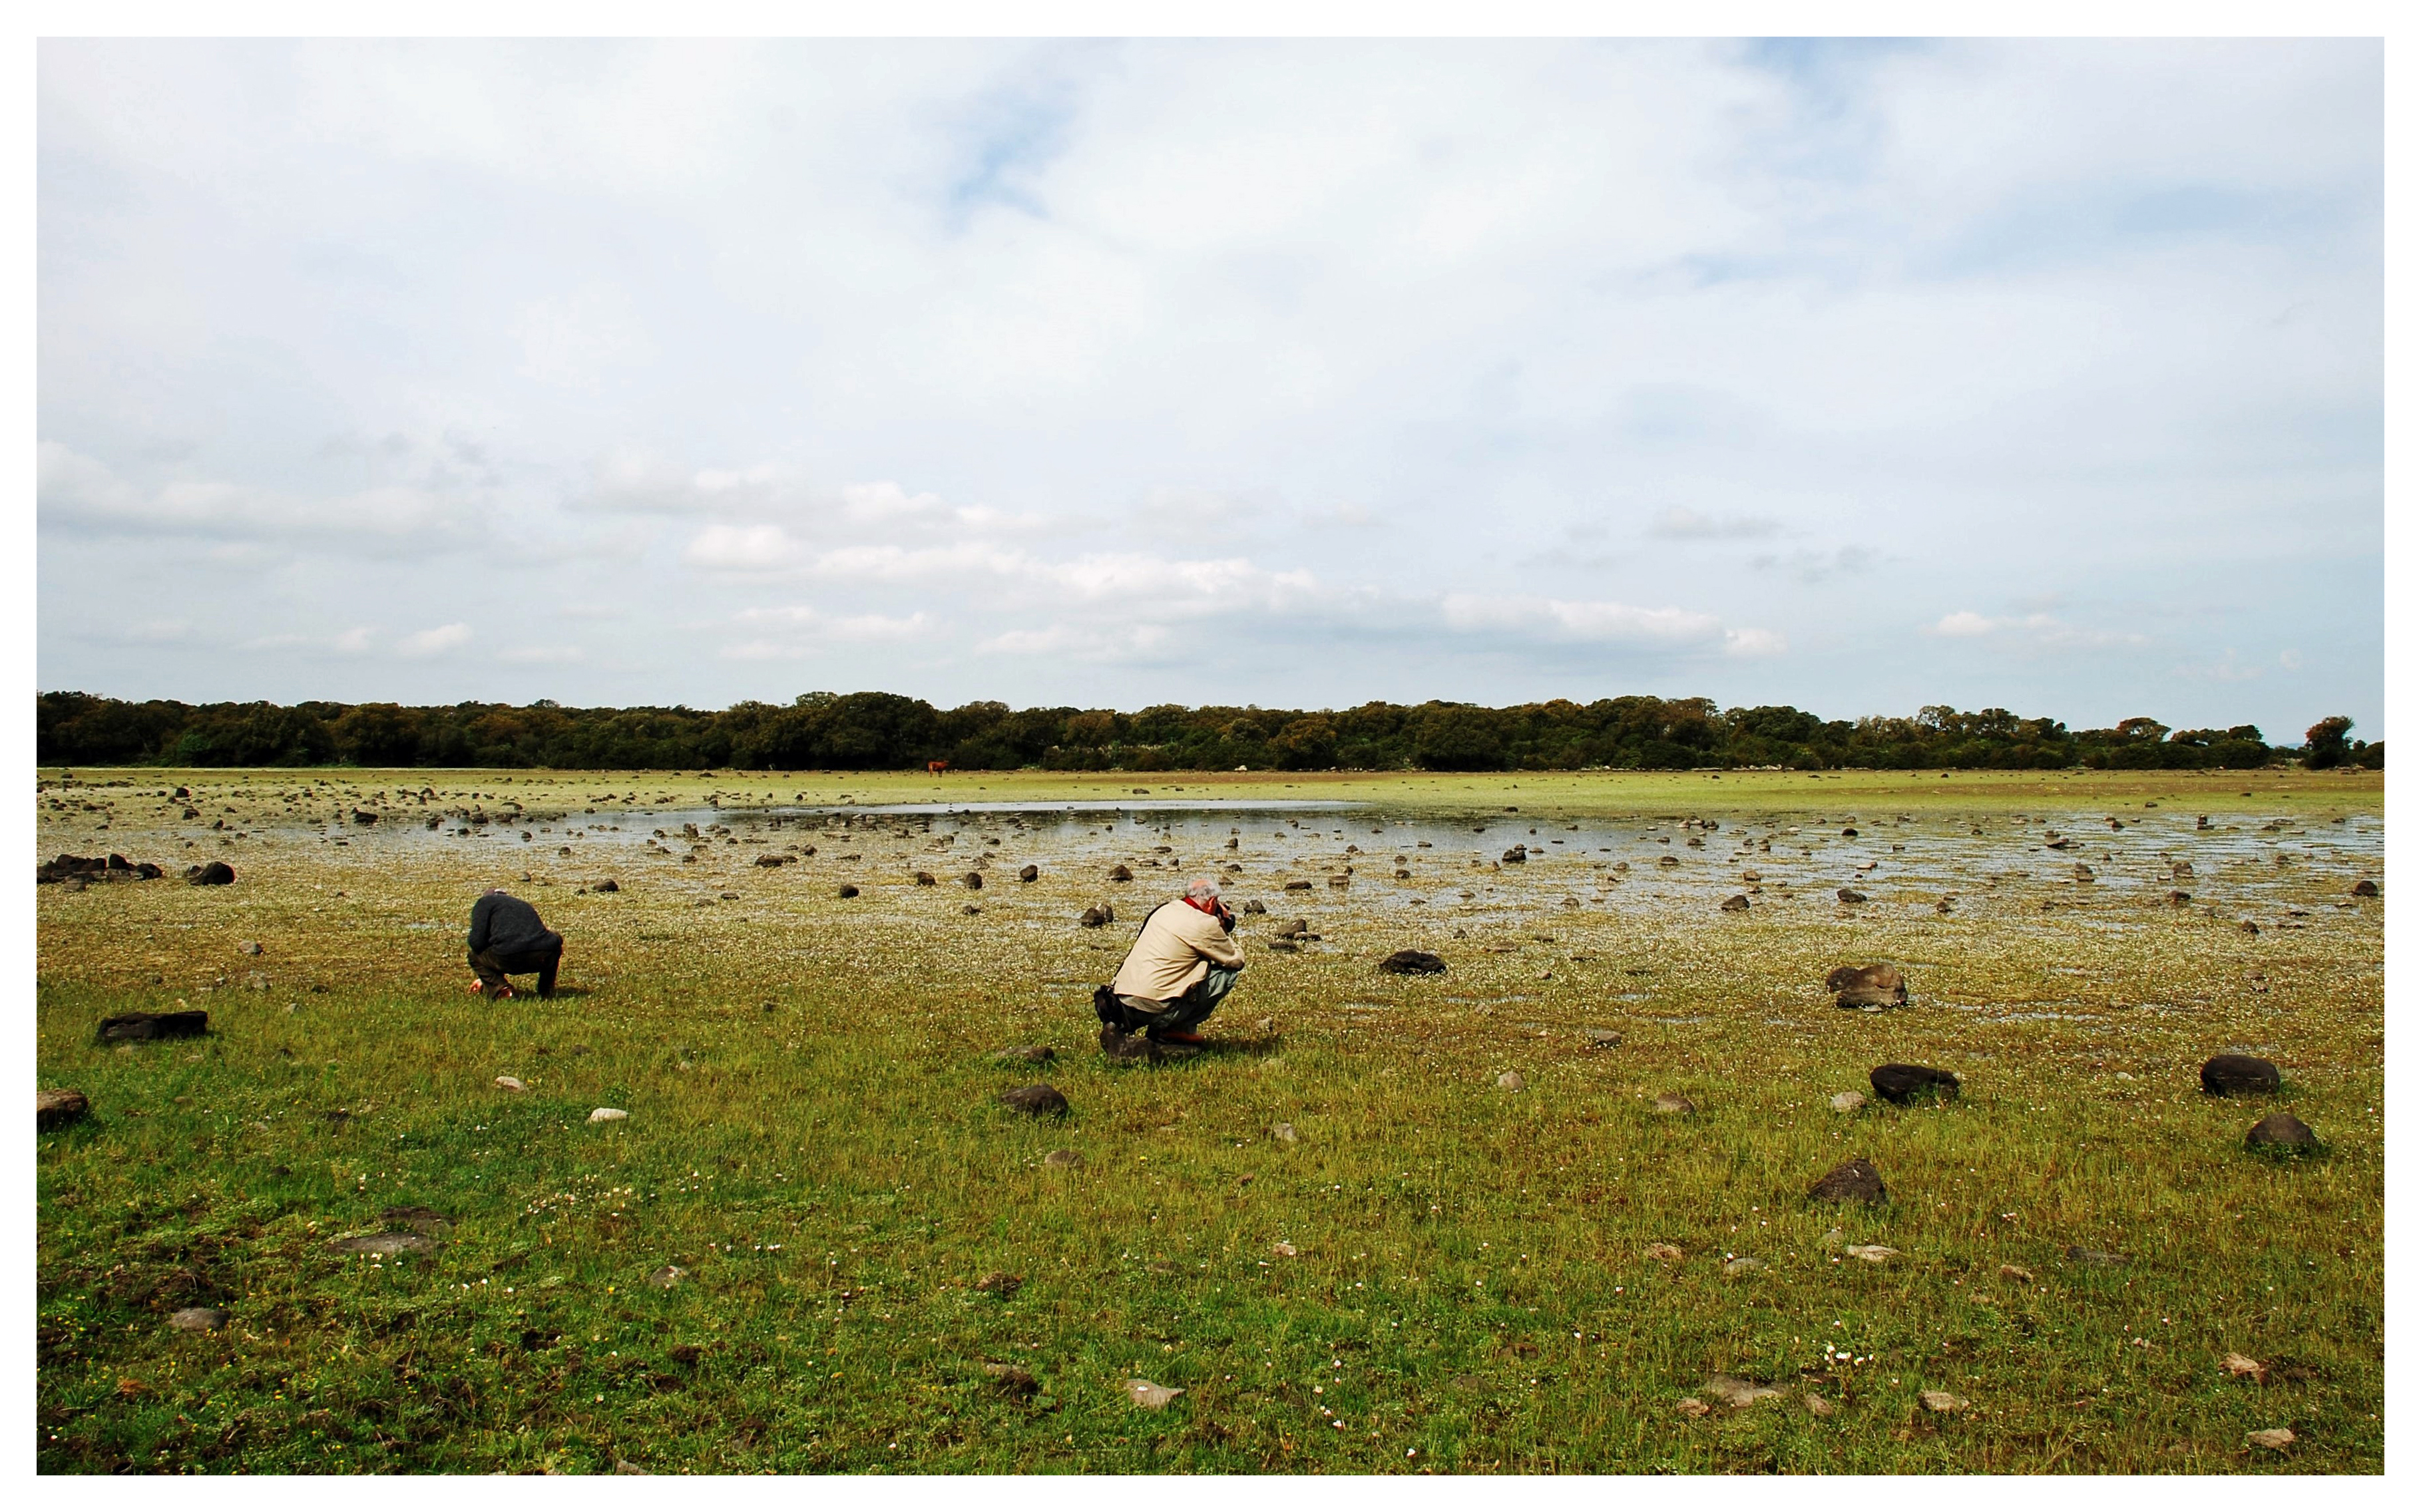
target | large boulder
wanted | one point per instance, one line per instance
(1041, 1100)
(2281, 1131)
(2228, 1075)
(57, 1108)
(217, 874)
(1867, 987)
(1413, 963)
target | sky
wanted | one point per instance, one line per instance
(1857, 376)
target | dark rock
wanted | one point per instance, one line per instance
(1253, 905)
(1737, 903)
(217, 874)
(1120, 874)
(1849, 834)
(2282, 1130)
(608, 885)
(420, 1220)
(848, 891)
(2226, 1075)
(1848, 895)
(1037, 1101)
(1140, 1050)
(2366, 888)
(1518, 855)
(776, 861)
(973, 879)
(1903, 1084)
(198, 1320)
(126, 1027)
(925, 879)
(1027, 874)
(1413, 963)
(58, 1108)
(2179, 899)
(363, 816)
(1284, 947)
(1849, 1181)
(1298, 886)
(1012, 1381)
(1001, 1283)
(1094, 917)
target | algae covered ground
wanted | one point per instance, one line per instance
(1354, 1241)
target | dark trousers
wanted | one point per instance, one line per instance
(1180, 1014)
(493, 967)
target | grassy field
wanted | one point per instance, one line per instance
(795, 1253)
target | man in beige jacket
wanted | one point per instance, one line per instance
(1182, 964)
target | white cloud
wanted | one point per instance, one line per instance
(80, 494)
(545, 655)
(1583, 620)
(436, 641)
(743, 549)
(1689, 525)
(1963, 622)
(1754, 642)
(2037, 630)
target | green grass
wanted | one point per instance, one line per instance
(1469, 1284)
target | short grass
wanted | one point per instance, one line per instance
(814, 1142)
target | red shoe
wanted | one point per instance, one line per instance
(1181, 1036)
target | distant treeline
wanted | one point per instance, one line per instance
(876, 730)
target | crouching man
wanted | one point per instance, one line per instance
(1182, 964)
(508, 937)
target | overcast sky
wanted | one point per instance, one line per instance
(1856, 377)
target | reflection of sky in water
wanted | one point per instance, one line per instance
(1605, 865)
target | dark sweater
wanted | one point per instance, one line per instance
(503, 924)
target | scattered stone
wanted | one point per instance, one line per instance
(1734, 1393)
(1867, 987)
(1673, 1103)
(1668, 861)
(1298, 886)
(2241, 1366)
(1872, 1253)
(2079, 1255)
(1742, 1265)
(1692, 1408)
(2226, 1075)
(1413, 963)
(925, 879)
(1737, 903)
(1253, 905)
(2270, 1438)
(2249, 926)
(383, 1244)
(57, 1108)
(198, 1320)
(1816, 1406)
(607, 1115)
(187, 1023)
(608, 885)
(848, 891)
(1120, 874)
(1603, 1038)
(1904, 1084)
(763, 861)
(2366, 888)
(1063, 1159)
(418, 1219)
(1854, 1181)
(511, 1084)
(1144, 1395)
(1511, 1081)
(1284, 1133)
(249, 947)
(2017, 1273)
(1663, 1252)
(2179, 899)
(1285, 1251)
(1849, 1101)
(1037, 1053)
(665, 1278)
(1041, 1100)
(1012, 1381)
(2282, 1130)
(2083, 872)
(1093, 918)
(1942, 1402)
(1850, 896)
(1000, 1283)
(624, 1466)
(972, 880)
(217, 874)
(1027, 874)
(1141, 1050)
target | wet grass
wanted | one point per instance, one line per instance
(815, 1144)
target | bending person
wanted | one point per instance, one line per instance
(1182, 964)
(508, 937)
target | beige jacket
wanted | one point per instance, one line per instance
(1178, 945)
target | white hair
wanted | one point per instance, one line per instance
(1203, 889)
